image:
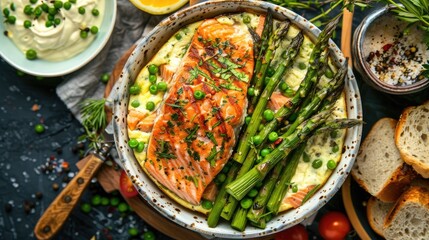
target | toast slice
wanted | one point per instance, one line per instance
(412, 138)
(379, 168)
(409, 217)
(376, 212)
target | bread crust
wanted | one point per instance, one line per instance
(372, 201)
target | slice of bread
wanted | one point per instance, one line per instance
(412, 137)
(376, 212)
(379, 168)
(409, 217)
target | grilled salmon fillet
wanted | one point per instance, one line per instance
(193, 136)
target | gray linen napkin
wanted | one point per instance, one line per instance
(131, 24)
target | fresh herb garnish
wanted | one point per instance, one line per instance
(94, 119)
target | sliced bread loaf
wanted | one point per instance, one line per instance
(412, 137)
(376, 212)
(409, 217)
(379, 168)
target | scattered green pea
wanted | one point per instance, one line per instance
(305, 157)
(302, 66)
(153, 69)
(251, 91)
(150, 106)
(140, 147)
(33, 1)
(58, 4)
(105, 77)
(149, 235)
(133, 143)
(317, 163)
(268, 115)
(95, 12)
(67, 5)
(81, 10)
(6, 12)
(51, 17)
(83, 34)
(122, 207)
(12, 6)
(152, 78)
(178, 36)
(114, 201)
(52, 11)
(153, 89)
(104, 201)
(38, 11)
(134, 89)
(44, 7)
(162, 86)
(135, 103)
(257, 139)
(221, 177)
(294, 188)
(246, 203)
(333, 134)
(329, 73)
(72, 1)
(206, 204)
(335, 148)
(252, 193)
(85, 207)
(265, 152)
(11, 19)
(31, 54)
(94, 30)
(331, 164)
(289, 92)
(247, 120)
(57, 21)
(273, 136)
(133, 232)
(283, 86)
(198, 94)
(270, 72)
(96, 200)
(39, 128)
(246, 19)
(27, 23)
(259, 184)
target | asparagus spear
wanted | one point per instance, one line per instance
(289, 54)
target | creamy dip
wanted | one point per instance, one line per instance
(59, 41)
(394, 52)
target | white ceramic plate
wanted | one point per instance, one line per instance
(148, 46)
(11, 54)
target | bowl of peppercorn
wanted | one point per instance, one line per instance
(54, 38)
(390, 53)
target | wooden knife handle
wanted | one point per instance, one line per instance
(59, 210)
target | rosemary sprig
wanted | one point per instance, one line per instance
(94, 119)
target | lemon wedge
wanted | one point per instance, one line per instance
(158, 7)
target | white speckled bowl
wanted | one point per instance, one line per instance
(148, 46)
(12, 55)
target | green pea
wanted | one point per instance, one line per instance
(39, 128)
(317, 163)
(257, 139)
(96, 200)
(104, 201)
(251, 91)
(273, 136)
(58, 4)
(51, 17)
(294, 188)
(83, 34)
(38, 11)
(12, 6)
(152, 78)
(133, 232)
(329, 73)
(11, 19)
(246, 203)
(95, 12)
(105, 77)
(246, 19)
(149, 235)
(247, 120)
(178, 36)
(135, 103)
(333, 134)
(153, 69)
(265, 152)
(206, 204)
(114, 201)
(31, 54)
(133, 143)
(27, 23)
(150, 106)
(44, 7)
(72, 1)
(252, 193)
(199, 94)
(33, 1)
(270, 72)
(153, 89)
(289, 92)
(52, 11)
(283, 86)
(162, 86)
(258, 160)
(221, 177)
(81, 10)
(305, 157)
(331, 164)
(122, 207)
(57, 21)
(85, 207)
(268, 115)
(94, 30)
(140, 147)
(135, 89)
(67, 5)
(335, 148)
(259, 184)
(302, 66)
(6, 12)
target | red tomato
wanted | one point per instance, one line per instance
(334, 226)
(297, 232)
(126, 186)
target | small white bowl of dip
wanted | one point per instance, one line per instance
(59, 46)
(389, 57)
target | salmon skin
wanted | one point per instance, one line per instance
(193, 138)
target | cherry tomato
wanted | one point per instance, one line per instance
(334, 226)
(126, 186)
(297, 232)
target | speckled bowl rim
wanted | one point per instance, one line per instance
(13, 55)
(148, 46)
(362, 65)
